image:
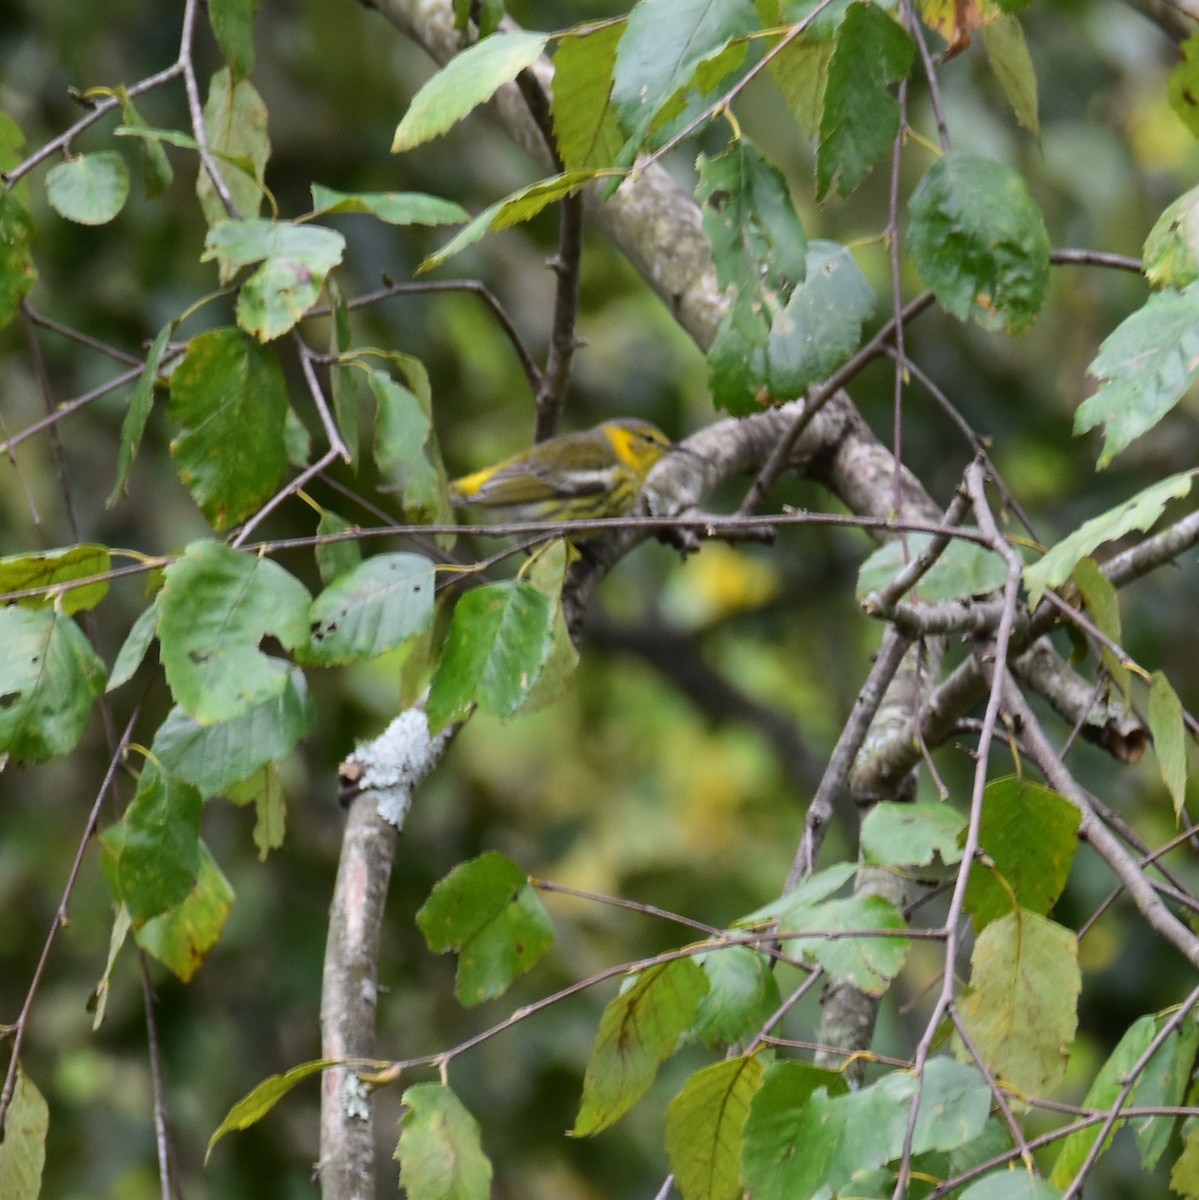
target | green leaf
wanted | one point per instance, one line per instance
(846, 1137)
(230, 401)
(757, 238)
(964, 569)
(1138, 513)
(376, 607)
(1103, 605)
(1163, 1084)
(521, 205)
(297, 259)
(396, 208)
(499, 639)
(705, 1124)
(236, 244)
(17, 272)
(486, 911)
(1033, 869)
(440, 1153)
(811, 891)
(760, 248)
(1144, 368)
(1104, 1090)
(546, 571)
(52, 567)
(909, 835)
(297, 441)
(869, 963)
(585, 124)
(182, 937)
(465, 82)
(11, 142)
(664, 42)
(334, 558)
(1008, 54)
(215, 607)
(264, 789)
(405, 447)
(159, 852)
(232, 23)
(1184, 1175)
(172, 137)
(155, 165)
(1021, 1007)
(793, 1132)
(860, 117)
(134, 648)
(1183, 85)
(1171, 252)
(402, 449)
(89, 189)
(742, 993)
(737, 359)
(140, 403)
(800, 70)
(979, 241)
(821, 325)
(251, 1108)
(97, 1002)
(640, 1030)
(49, 677)
(236, 119)
(1169, 738)
(23, 1150)
(954, 1103)
(214, 757)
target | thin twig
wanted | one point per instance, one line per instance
(19, 1028)
(555, 379)
(391, 290)
(975, 440)
(162, 1133)
(930, 77)
(820, 396)
(1130, 1079)
(98, 110)
(1095, 258)
(917, 567)
(721, 103)
(83, 339)
(332, 433)
(195, 111)
(892, 234)
(64, 410)
(975, 487)
(325, 461)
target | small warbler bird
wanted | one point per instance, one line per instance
(573, 477)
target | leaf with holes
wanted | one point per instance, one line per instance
(216, 606)
(373, 608)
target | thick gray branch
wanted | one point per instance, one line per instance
(382, 777)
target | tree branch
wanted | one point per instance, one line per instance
(381, 778)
